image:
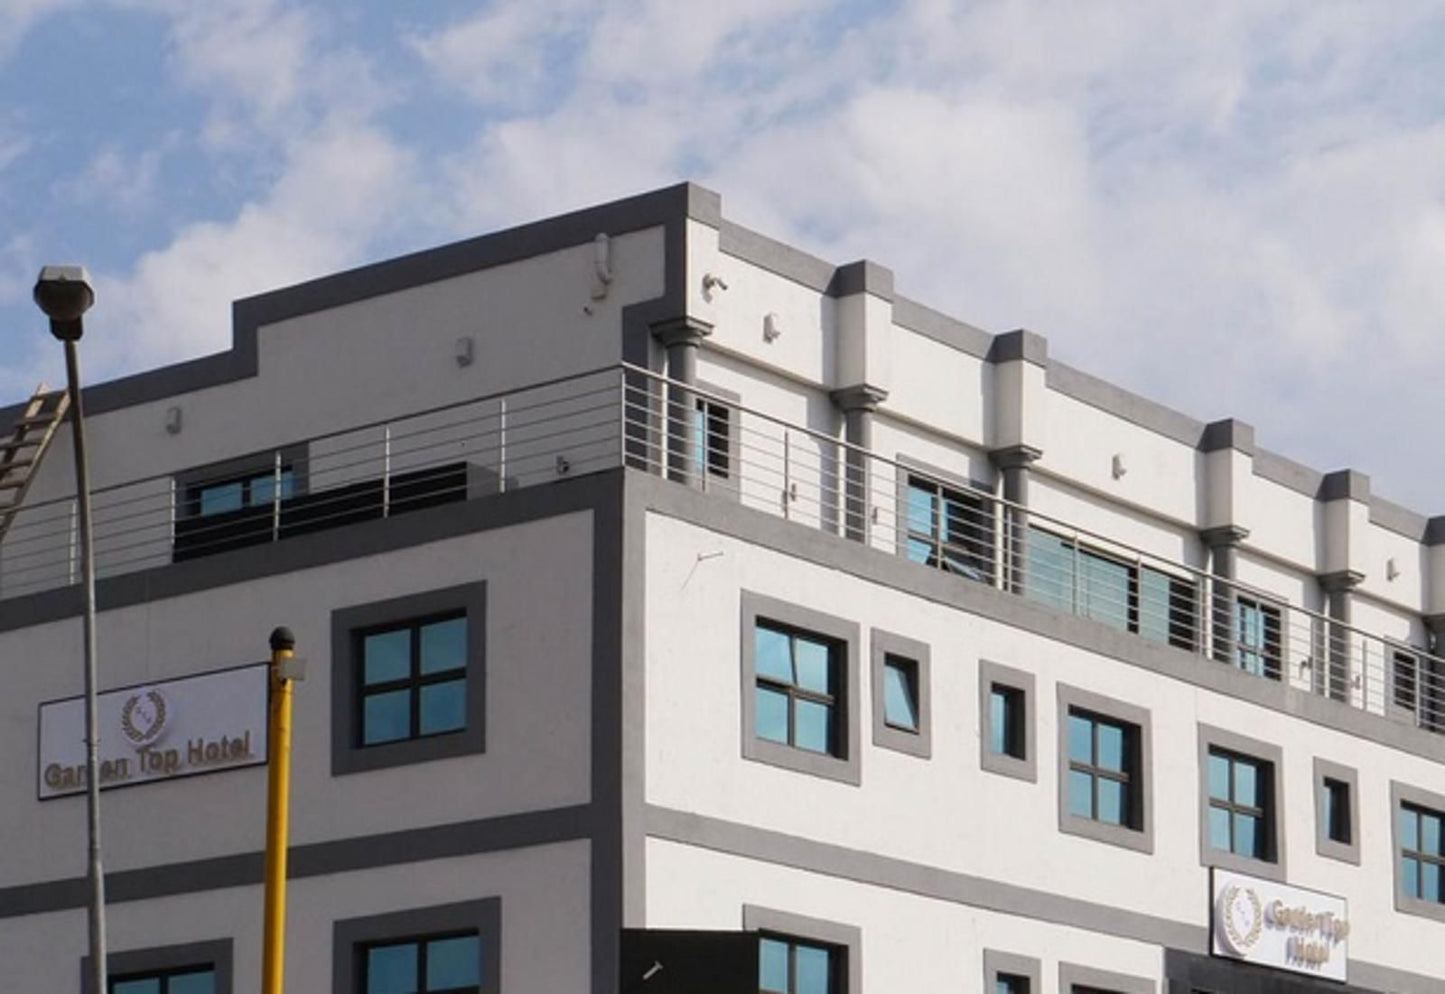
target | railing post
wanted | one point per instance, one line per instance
(386, 470)
(276, 497)
(502, 445)
(73, 535)
(787, 475)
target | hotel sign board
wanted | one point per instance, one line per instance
(1273, 924)
(158, 731)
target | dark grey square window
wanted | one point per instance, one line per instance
(191, 968)
(949, 529)
(799, 673)
(408, 679)
(1337, 831)
(1011, 983)
(1241, 826)
(186, 980)
(1007, 973)
(1074, 979)
(1104, 759)
(450, 949)
(901, 695)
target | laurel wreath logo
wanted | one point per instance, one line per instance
(150, 732)
(1240, 940)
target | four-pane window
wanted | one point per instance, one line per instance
(797, 688)
(1258, 647)
(1240, 796)
(1422, 853)
(450, 964)
(1102, 774)
(413, 679)
(188, 980)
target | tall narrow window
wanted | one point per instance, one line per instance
(797, 688)
(1101, 769)
(711, 430)
(900, 693)
(1258, 647)
(1006, 721)
(1336, 815)
(949, 529)
(1241, 796)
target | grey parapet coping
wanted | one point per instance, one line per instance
(939, 327)
(1344, 484)
(863, 276)
(1020, 343)
(1229, 433)
(1122, 403)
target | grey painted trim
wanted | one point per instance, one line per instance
(357, 541)
(1403, 793)
(347, 754)
(923, 880)
(846, 767)
(1274, 868)
(315, 859)
(216, 953)
(846, 939)
(996, 963)
(1435, 531)
(1347, 852)
(1071, 974)
(1121, 403)
(939, 327)
(1026, 768)
(1011, 346)
(1224, 537)
(1139, 836)
(349, 936)
(881, 645)
(774, 256)
(859, 397)
(863, 276)
(878, 566)
(1344, 484)
(1398, 519)
(1287, 473)
(1228, 433)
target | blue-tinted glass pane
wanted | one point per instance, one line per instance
(391, 969)
(1154, 590)
(1111, 801)
(387, 656)
(386, 717)
(920, 551)
(1430, 834)
(1248, 839)
(200, 982)
(444, 707)
(773, 652)
(1430, 882)
(921, 505)
(1010, 984)
(263, 488)
(813, 970)
(1104, 590)
(1410, 876)
(900, 709)
(813, 726)
(1331, 805)
(1246, 783)
(1081, 794)
(1218, 777)
(1409, 829)
(222, 498)
(453, 963)
(1111, 747)
(998, 730)
(773, 966)
(699, 435)
(815, 671)
(772, 715)
(1081, 739)
(1219, 829)
(444, 645)
(147, 985)
(1050, 570)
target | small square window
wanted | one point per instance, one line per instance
(1240, 823)
(798, 955)
(450, 949)
(1104, 757)
(192, 968)
(1088, 980)
(429, 965)
(1006, 720)
(900, 680)
(1006, 973)
(408, 679)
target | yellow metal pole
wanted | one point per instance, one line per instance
(278, 799)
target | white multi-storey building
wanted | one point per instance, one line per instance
(675, 598)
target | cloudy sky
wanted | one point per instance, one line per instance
(1237, 208)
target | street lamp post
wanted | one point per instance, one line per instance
(64, 294)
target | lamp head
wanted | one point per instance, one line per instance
(64, 294)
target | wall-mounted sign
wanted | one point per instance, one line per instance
(157, 731)
(1273, 924)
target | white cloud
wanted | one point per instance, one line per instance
(17, 17)
(116, 180)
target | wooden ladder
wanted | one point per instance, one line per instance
(20, 454)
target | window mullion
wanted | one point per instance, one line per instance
(414, 699)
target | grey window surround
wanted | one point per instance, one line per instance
(882, 645)
(295, 457)
(731, 486)
(1262, 752)
(1028, 967)
(1324, 845)
(215, 953)
(845, 767)
(1072, 974)
(985, 492)
(989, 674)
(350, 936)
(1140, 839)
(1401, 793)
(347, 756)
(846, 939)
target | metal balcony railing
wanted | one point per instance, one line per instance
(628, 416)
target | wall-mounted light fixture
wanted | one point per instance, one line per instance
(1118, 467)
(173, 421)
(1392, 571)
(464, 352)
(601, 266)
(771, 328)
(711, 282)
